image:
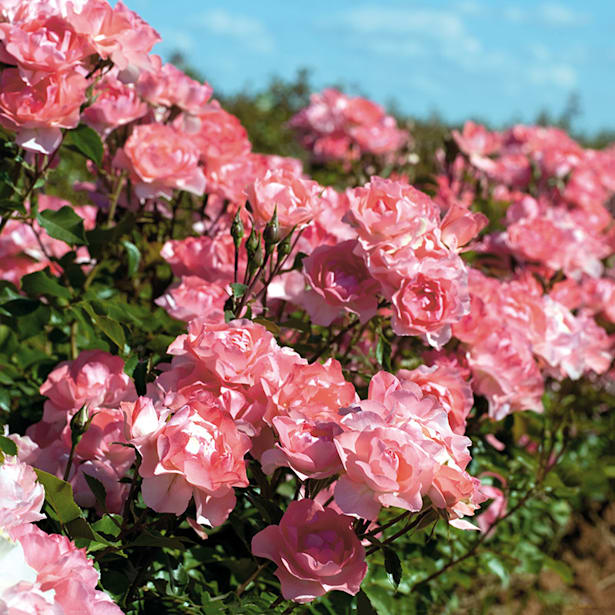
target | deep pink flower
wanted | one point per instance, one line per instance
(316, 551)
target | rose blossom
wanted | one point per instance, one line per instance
(384, 467)
(197, 453)
(306, 446)
(21, 496)
(95, 378)
(116, 33)
(389, 211)
(66, 571)
(447, 384)
(289, 195)
(168, 86)
(316, 551)
(342, 281)
(159, 159)
(45, 44)
(37, 112)
(116, 104)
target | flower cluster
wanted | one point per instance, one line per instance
(337, 348)
(339, 127)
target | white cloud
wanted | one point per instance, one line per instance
(549, 13)
(562, 76)
(251, 32)
(555, 14)
(411, 32)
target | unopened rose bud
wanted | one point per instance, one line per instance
(271, 234)
(79, 424)
(237, 230)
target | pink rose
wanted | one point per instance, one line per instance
(116, 33)
(21, 496)
(385, 466)
(37, 112)
(306, 446)
(476, 139)
(194, 297)
(116, 104)
(388, 211)
(448, 385)
(343, 281)
(316, 551)
(290, 195)
(65, 570)
(168, 86)
(429, 303)
(160, 159)
(95, 378)
(197, 453)
(45, 44)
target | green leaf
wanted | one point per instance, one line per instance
(42, 283)
(109, 524)
(59, 494)
(7, 206)
(239, 290)
(383, 352)
(98, 489)
(364, 605)
(20, 307)
(150, 539)
(7, 446)
(63, 224)
(109, 327)
(86, 141)
(392, 565)
(134, 257)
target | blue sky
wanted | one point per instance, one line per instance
(489, 59)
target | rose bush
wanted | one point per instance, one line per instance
(360, 362)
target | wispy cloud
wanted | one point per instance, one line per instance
(249, 31)
(387, 30)
(561, 76)
(549, 13)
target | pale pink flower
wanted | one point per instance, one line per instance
(505, 372)
(284, 192)
(305, 445)
(194, 297)
(197, 453)
(65, 570)
(384, 467)
(37, 112)
(21, 496)
(160, 159)
(316, 551)
(497, 508)
(429, 302)
(476, 139)
(389, 211)
(209, 258)
(115, 104)
(168, 86)
(45, 44)
(448, 385)
(95, 378)
(116, 33)
(99, 454)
